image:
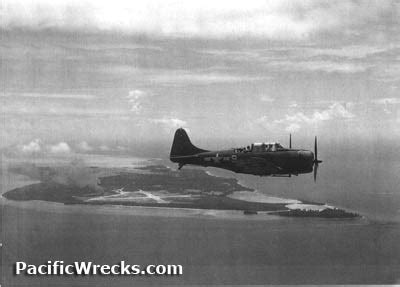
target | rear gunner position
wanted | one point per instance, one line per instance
(263, 159)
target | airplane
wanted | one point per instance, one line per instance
(262, 159)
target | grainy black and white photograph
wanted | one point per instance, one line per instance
(168, 142)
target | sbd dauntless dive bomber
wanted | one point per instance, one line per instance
(263, 159)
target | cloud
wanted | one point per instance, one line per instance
(50, 96)
(57, 105)
(121, 148)
(274, 19)
(237, 55)
(266, 98)
(335, 111)
(104, 148)
(387, 103)
(32, 147)
(58, 110)
(350, 52)
(61, 147)
(388, 72)
(84, 146)
(311, 52)
(36, 146)
(327, 66)
(293, 127)
(314, 57)
(294, 122)
(134, 98)
(181, 77)
(170, 123)
(311, 58)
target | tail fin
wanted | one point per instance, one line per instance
(182, 146)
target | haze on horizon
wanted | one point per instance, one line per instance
(111, 75)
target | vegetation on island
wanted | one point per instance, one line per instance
(189, 188)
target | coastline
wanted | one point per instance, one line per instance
(136, 210)
(162, 187)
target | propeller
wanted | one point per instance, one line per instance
(290, 141)
(316, 160)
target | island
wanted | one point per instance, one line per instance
(160, 186)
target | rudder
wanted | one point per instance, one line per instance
(182, 145)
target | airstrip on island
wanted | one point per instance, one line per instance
(160, 186)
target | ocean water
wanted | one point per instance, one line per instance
(359, 176)
(222, 247)
(213, 249)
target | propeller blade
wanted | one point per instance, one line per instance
(290, 141)
(315, 171)
(315, 149)
(316, 160)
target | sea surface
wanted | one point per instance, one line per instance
(358, 176)
(214, 247)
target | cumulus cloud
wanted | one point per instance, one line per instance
(104, 148)
(267, 98)
(32, 147)
(293, 127)
(134, 98)
(276, 19)
(170, 123)
(335, 111)
(295, 121)
(61, 147)
(387, 103)
(84, 146)
(36, 146)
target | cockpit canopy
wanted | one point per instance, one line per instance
(262, 147)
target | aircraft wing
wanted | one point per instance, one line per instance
(259, 165)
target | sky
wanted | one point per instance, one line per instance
(88, 76)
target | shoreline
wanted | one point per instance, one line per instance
(161, 187)
(171, 212)
(137, 210)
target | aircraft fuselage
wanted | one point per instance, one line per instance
(284, 162)
(260, 159)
